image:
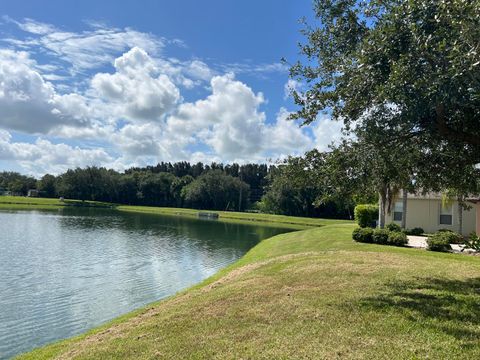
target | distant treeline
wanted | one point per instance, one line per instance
(201, 186)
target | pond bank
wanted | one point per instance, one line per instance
(307, 294)
(27, 203)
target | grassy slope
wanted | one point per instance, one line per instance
(309, 294)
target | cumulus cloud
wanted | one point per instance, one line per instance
(228, 120)
(286, 137)
(135, 110)
(136, 88)
(43, 156)
(29, 103)
(327, 132)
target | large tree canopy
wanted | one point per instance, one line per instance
(420, 59)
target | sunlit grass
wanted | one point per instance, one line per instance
(310, 294)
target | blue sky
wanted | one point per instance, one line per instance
(124, 83)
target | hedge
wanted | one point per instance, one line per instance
(379, 236)
(440, 241)
(366, 215)
(394, 227)
(396, 238)
(415, 231)
(364, 235)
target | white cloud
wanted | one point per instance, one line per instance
(228, 120)
(137, 109)
(136, 89)
(43, 156)
(286, 137)
(148, 140)
(199, 70)
(327, 132)
(87, 49)
(30, 104)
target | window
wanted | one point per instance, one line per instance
(398, 211)
(446, 216)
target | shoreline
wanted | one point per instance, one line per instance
(312, 293)
(298, 223)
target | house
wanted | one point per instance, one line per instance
(32, 193)
(432, 213)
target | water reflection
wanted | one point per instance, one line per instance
(64, 272)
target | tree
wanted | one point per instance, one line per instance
(420, 58)
(217, 191)
(291, 191)
(16, 183)
(47, 186)
(155, 188)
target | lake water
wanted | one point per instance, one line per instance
(64, 272)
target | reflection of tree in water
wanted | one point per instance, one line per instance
(209, 234)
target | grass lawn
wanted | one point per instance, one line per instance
(311, 294)
(291, 221)
(22, 202)
(26, 203)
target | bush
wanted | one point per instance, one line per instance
(473, 242)
(453, 237)
(397, 238)
(364, 235)
(380, 236)
(393, 227)
(366, 215)
(440, 241)
(415, 231)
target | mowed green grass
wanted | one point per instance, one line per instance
(22, 202)
(290, 221)
(26, 203)
(312, 294)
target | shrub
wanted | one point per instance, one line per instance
(453, 237)
(440, 241)
(397, 238)
(363, 235)
(415, 231)
(366, 215)
(473, 242)
(380, 236)
(393, 227)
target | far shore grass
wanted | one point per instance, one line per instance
(311, 294)
(27, 203)
(23, 202)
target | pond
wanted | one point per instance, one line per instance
(64, 272)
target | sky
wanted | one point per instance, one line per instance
(133, 83)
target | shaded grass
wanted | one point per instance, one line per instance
(311, 294)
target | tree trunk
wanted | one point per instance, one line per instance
(404, 209)
(460, 216)
(383, 208)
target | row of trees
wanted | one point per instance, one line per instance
(212, 189)
(289, 188)
(215, 186)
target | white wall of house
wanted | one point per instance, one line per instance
(431, 215)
